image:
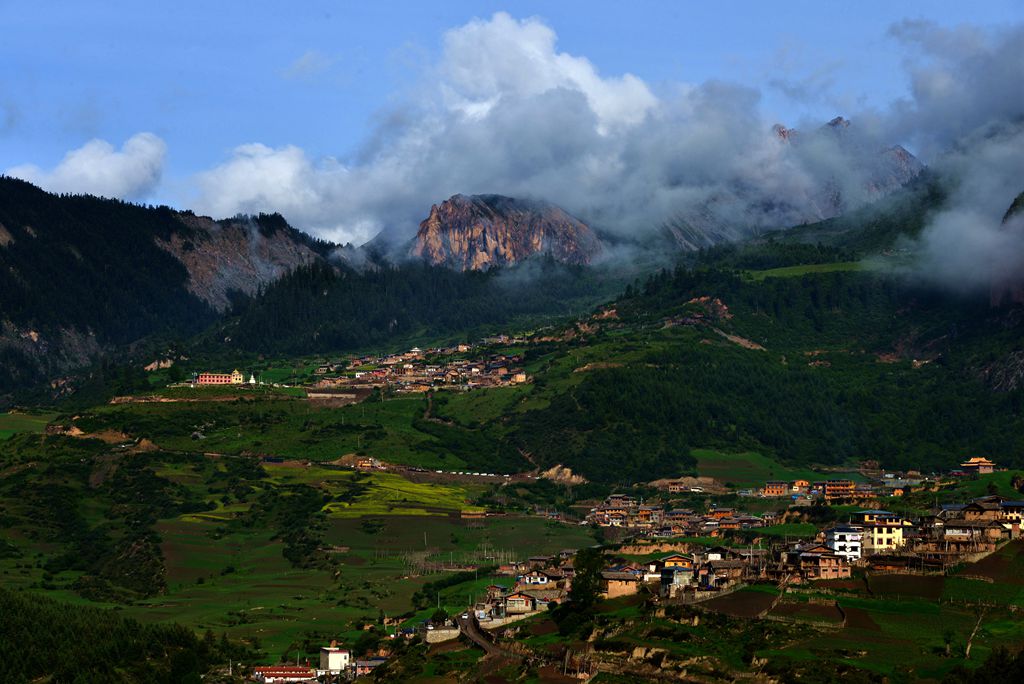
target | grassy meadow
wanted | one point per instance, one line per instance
(17, 423)
(746, 469)
(805, 269)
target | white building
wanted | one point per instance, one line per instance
(846, 541)
(333, 659)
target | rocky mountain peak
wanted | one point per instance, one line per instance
(477, 232)
(783, 133)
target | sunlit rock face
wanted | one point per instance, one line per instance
(478, 232)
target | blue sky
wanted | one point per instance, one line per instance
(331, 78)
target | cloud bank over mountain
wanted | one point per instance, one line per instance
(504, 110)
(968, 110)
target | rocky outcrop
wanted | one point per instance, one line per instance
(241, 254)
(483, 231)
(563, 475)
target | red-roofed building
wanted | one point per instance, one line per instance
(276, 674)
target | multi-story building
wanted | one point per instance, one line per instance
(883, 537)
(333, 659)
(233, 378)
(845, 541)
(838, 490)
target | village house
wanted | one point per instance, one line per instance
(540, 577)
(817, 561)
(678, 515)
(845, 541)
(721, 573)
(824, 566)
(677, 560)
(520, 602)
(538, 562)
(614, 584)
(964, 530)
(864, 491)
(675, 580)
(717, 553)
(983, 510)
(729, 524)
(1013, 511)
(545, 596)
(775, 488)
(882, 537)
(365, 667)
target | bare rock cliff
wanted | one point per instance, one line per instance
(481, 231)
(238, 254)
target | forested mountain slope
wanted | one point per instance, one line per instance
(815, 369)
(81, 276)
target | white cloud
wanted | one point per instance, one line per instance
(96, 168)
(505, 111)
(485, 61)
(961, 79)
(965, 244)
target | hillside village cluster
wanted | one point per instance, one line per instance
(416, 370)
(872, 538)
(877, 540)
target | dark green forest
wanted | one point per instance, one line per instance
(836, 382)
(41, 638)
(323, 308)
